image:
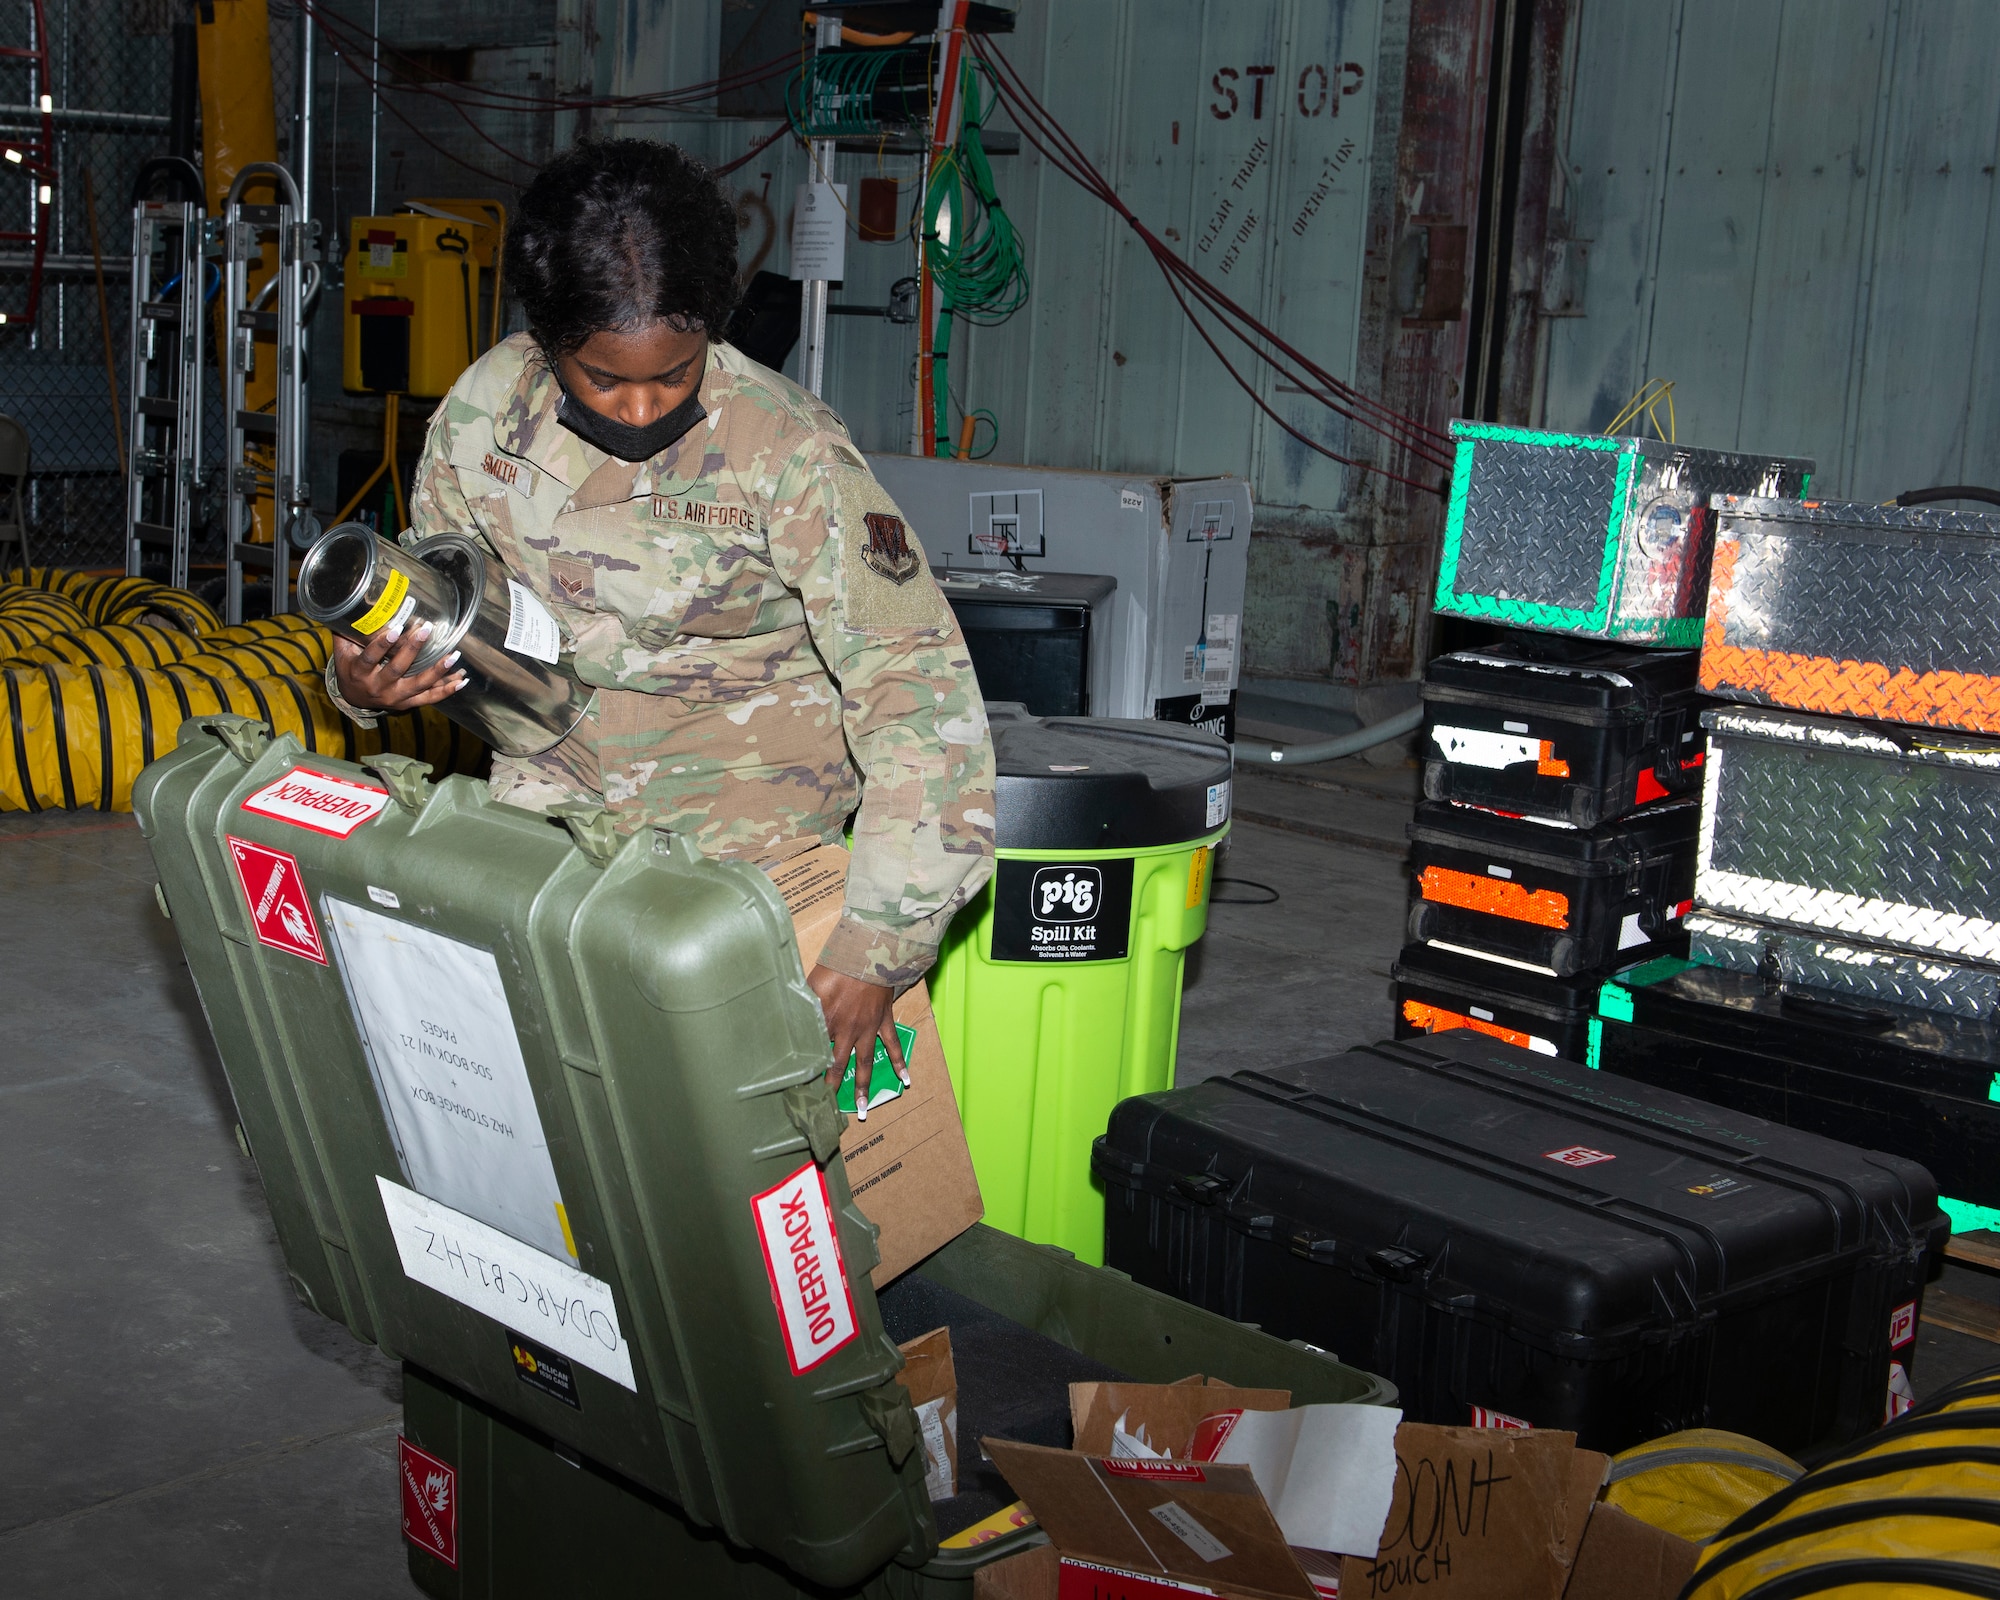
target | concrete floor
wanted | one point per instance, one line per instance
(174, 1423)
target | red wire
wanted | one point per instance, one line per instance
(1417, 438)
(751, 154)
(1081, 171)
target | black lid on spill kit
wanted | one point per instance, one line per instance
(1103, 783)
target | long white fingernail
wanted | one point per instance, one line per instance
(861, 1104)
(395, 632)
(450, 660)
(904, 1074)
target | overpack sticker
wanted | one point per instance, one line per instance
(802, 1257)
(328, 805)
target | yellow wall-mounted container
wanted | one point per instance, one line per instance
(412, 316)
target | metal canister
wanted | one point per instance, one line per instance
(357, 584)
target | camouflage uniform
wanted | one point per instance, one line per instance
(766, 641)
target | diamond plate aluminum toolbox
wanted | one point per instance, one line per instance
(1857, 611)
(1875, 1074)
(1437, 990)
(1564, 729)
(1869, 972)
(1553, 899)
(1578, 533)
(541, 1111)
(1870, 836)
(1502, 1232)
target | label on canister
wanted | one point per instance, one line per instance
(390, 607)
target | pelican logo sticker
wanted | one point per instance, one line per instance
(888, 551)
(1062, 911)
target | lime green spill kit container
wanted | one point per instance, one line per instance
(540, 1110)
(1058, 990)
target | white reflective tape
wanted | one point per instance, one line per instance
(1879, 921)
(1477, 747)
(1630, 933)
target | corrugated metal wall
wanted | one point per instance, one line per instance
(1239, 129)
(1789, 211)
(1284, 146)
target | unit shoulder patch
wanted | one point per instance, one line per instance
(888, 589)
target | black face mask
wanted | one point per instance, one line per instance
(620, 439)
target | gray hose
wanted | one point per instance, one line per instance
(1249, 753)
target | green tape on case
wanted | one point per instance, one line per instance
(1596, 1046)
(883, 1084)
(1969, 1218)
(1615, 1002)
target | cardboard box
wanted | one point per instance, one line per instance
(932, 1379)
(1169, 1412)
(907, 1164)
(1623, 1558)
(1480, 1514)
(1142, 1528)
(1474, 1514)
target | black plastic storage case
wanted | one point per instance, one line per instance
(1514, 1238)
(1582, 734)
(1437, 990)
(1556, 900)
(1892, 1077)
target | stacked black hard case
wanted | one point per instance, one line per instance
(1515, 1239)
(1556, 844)
(1921, 1083)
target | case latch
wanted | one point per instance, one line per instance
(1203, 1188)
(1395, 1263)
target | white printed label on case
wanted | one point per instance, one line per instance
(385, 897)
(447, 1063)
(531, 631)
(1180, 1522)
(1218, 804)
(333, 806)
(531, 1292)
(802, 1258)
(1477, 747)
(1131, 500)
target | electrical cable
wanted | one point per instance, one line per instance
(1271, 896)
(1426, 444)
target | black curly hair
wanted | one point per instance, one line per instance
(619, 233)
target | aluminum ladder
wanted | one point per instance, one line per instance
(278, 435)
(169, 263)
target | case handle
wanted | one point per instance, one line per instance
(816, 1114)
(888, 1411)
(405, 777)
(592, 829)
(244, 739)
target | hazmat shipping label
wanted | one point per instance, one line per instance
(802, 1259)
(328, 805)
(518, 1286)
(276, 894)
(430, 1502)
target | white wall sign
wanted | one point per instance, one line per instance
(819, 231)
(530, 1292)
(447, 1064)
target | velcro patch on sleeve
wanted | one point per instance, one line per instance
(887, 583)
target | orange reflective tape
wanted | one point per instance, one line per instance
(1543, 907)
(1548, 766)
(1435, 1019)
(1967, 700)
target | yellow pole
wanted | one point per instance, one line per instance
(239, 125)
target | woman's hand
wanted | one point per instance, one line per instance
(857, 1014)
(371, 676)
